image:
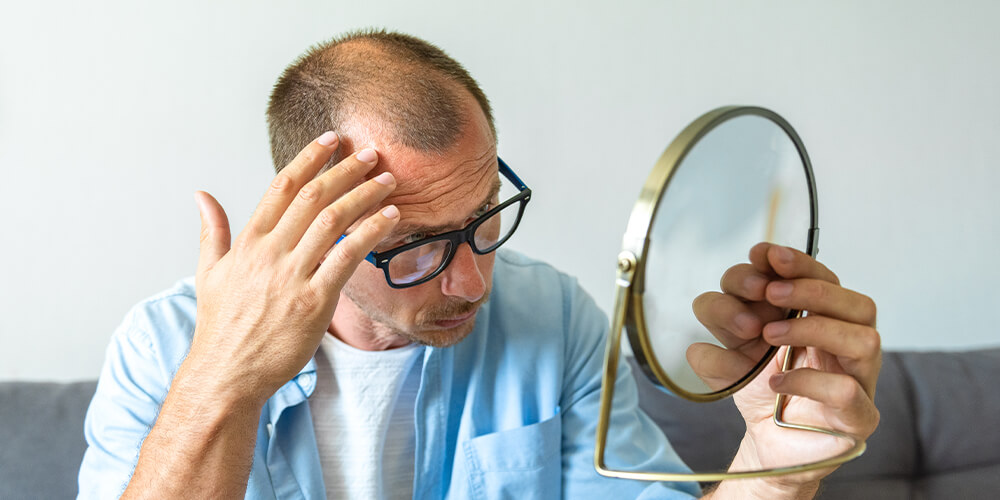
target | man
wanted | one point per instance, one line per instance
(301, 371)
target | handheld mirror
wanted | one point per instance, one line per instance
(735, 177)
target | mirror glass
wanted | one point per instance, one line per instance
(742, 183)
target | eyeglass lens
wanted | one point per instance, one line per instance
(417, 263)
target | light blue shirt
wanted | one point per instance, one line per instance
(509, 412)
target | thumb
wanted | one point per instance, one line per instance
(215, 234)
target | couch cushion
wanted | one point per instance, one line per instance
(41, 428)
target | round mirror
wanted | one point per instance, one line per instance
(736, 177)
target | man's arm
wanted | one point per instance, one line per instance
(832, 380)
(264, 304)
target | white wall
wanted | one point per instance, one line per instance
(113, 113)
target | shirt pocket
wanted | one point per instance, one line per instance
(521, 463)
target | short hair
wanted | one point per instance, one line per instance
(410, 88)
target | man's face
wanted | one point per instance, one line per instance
(435, 193)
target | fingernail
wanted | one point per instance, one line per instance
(777, 329)
(776, 379)
(384, 178)
(367, 155)
(780, 289)
(390, 212)
(746, 321)
(754, 283)
(783, 254)
(328, 138)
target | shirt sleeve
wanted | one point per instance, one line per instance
(634, 440)
(132, 385)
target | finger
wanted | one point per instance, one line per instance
(744, 281)
(727, 318)
(823, 298)
(215, 234)
(857, 347)
(331, 223)
(717, 367)
(788, 262)
(732, 321)
(758, 258)
(850, 406)
(289, 180)
(319, 193)
(345, 256)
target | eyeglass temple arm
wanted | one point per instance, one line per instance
(510, 175)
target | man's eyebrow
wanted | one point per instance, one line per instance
(405, 228)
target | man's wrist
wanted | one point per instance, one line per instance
(792, 486)
(764, 488)
(207, 389)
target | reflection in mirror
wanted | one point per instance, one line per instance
(742, 183)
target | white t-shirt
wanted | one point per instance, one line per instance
(362, 410)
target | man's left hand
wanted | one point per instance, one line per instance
(837, 359)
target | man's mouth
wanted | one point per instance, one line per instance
(456, 320)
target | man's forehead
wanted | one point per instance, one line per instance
(443, 194)
(433, 175)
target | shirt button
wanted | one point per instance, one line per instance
(270, 429)
(306, 379)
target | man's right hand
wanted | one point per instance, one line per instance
(264, 304)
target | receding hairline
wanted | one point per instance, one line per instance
(386, 82)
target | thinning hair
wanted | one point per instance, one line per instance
(391, 82)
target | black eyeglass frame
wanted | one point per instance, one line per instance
(459, 236)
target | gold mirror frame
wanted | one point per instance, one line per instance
(628, 308)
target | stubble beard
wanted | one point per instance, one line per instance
(425, 331)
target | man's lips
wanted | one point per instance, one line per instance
(457, 320)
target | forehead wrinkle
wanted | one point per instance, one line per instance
(407, 227)
(422, 212)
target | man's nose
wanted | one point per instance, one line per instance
(462, 277)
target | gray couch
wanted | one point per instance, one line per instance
(937, 437)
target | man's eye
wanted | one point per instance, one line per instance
(410, 238)
(482, 210)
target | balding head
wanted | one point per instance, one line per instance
(390, 84)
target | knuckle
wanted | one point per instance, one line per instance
(846, 393)
(306, 301)
(871, 340)
(377, 225)
(308, 155)
(282, 183)
(819, 291)
(870, 308)
(311, 193)
(241, 243)
(341, 256)
(328, 218)
(809, 326)
(833, 277)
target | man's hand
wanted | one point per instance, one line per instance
(264, 304)
(836, 363)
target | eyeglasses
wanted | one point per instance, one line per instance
(420, 261)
